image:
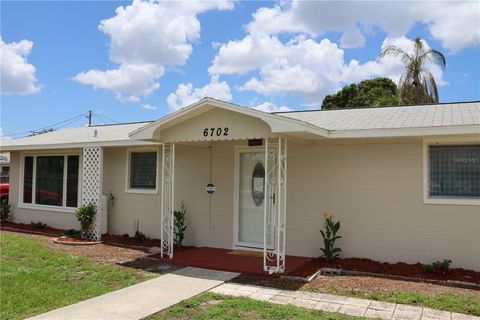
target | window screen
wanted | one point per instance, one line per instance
(455, 171)
(49, 180)
(143, 170)
(27, 179)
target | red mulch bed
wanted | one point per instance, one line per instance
(29, 228)
(130, 241)
(352, 264)
(392, 269)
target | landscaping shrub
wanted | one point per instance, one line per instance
(330, 236)
(85, 214)
(72, 233)
(139, 236)
(179, 225)
(4, 211)
(38, 225)
(441, 267)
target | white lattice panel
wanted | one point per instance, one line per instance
(92, 171)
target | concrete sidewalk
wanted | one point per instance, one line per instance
(341, 304)
(143, 299)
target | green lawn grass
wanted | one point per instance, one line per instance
(445, 301)
(35, 279)
(214, 306)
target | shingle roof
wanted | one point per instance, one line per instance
(424, 116)
(462, 118)
(101, 135)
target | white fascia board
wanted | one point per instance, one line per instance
(120, 143)
(405, 132)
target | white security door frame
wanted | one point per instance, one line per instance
(167, 198)
(275, 199)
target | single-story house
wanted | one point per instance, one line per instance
(404, 181)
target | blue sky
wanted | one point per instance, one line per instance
(149, 59)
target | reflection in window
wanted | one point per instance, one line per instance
(49, 180)
(44, 180)
(454, 171)
(258, 184)
(72, 180)
(27, 179)
(143, 170)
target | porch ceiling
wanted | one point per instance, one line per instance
(214, 120)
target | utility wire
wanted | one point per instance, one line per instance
(63, 124)
(46, 127)
(105, 117)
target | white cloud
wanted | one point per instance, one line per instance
(282, 52)
(129, 82)
(242, 56)
(271, 107)
(306, 67)
(186, 94)
(352, 38)
(148, 106)
(443, 19)
(17, 75)
(145, 37)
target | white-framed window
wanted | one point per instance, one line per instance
(142, 170)
(50, 181)
(452, 171)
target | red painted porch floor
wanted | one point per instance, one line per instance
(223, 260)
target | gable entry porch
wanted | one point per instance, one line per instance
(229, 164)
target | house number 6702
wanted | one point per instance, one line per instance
(215, 132)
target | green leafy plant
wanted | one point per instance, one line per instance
(179, 225)
(439, 266)
(85, 214)
(38, 224)
(4, 211)
(330, 236)
(72, 233)
(140, 236)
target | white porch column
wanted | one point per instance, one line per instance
(92, 185)
(168, 203)
(275, 203)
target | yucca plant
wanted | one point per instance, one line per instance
(179, 225)
(330, 236)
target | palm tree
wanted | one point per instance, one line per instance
(417, 84)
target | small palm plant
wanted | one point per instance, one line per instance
(330, 236)
(179, 225)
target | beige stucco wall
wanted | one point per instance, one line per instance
(375, 186)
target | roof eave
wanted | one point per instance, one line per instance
(75, 145)
(406, 132)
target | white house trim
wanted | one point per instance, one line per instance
(127, 170)
(35, 206)
(277, 123)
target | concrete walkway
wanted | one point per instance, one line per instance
(143, 299)
(333, 303)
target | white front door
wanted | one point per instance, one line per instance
(250, 201)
